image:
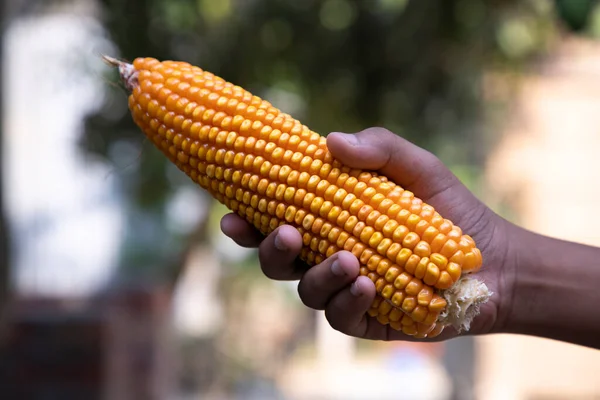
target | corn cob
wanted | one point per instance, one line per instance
(270, 169)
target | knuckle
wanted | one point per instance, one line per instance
(306, 294)
(268, 272)
(435, 169)
(382, 139)
(333, 315)
(267, 267)
(386, 140)
(430, 161)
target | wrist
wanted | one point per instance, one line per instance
(554, 289)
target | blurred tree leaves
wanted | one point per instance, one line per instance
(414, 67)
(575, 13)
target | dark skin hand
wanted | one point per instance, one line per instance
(541, 286)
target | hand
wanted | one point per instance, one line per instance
(335, 285)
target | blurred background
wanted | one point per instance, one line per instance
(116, 282)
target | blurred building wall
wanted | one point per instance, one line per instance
(549, 160)
(63, 208)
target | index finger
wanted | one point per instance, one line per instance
(278, 254)
(241, 231)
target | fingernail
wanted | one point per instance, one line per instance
(354, 289)
(279, 244)
(337, 269)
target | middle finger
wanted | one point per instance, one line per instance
(323, 281)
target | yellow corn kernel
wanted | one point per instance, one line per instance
(398, 298)
(419, 314)
(395, 315)
(407, 320)
(392, 273)
(421, 268)
(402, 280)
(271, 170)
(472, 261)
(422, 249)
(453, 270)
(425, 296)
(380, 284)
(440, 260)
(396, 325)
(412, 263)
(445, 281)
(383, 267)
(414, 287)
(383, 319)
(384, 308)
(393, 251)
(439, 328)
(409, 304)
(410, 330)
(431, 318)
(387, 291)
(432, 274)
(423, 330)
(377, 301)
(437, 304)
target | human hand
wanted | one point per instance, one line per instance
(335, 285)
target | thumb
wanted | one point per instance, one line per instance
(404, 163)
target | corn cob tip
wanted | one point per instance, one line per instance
(113, 62)
(129, 76)
(464, 300)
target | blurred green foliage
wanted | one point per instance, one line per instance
(576, 13)
(414, 67)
